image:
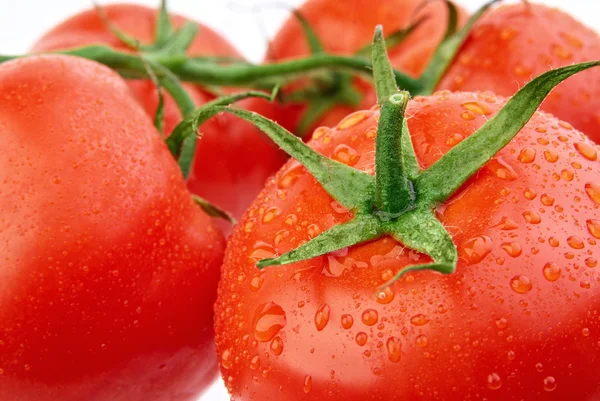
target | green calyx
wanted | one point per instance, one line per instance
(399, 201)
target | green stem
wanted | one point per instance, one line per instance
(394, 191)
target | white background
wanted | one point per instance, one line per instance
(246, 23)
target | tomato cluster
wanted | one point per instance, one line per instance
(439, 248)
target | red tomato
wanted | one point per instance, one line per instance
(231, 166)
(109, 270)
(517, 42)
(357, 20)
(519, 320)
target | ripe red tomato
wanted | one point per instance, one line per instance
(231, 166)
(519, 41)
(109, 271)
(519, 320)
(357, 19)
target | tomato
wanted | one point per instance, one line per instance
(515, 43)
(230, 167)
(109, 270)
(357, 19)
(519, 320)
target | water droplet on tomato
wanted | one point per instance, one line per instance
(507, 224)
(422, 341)
(527, 155)
(539, 367)
(567, 175)
(512, 248)
(477, 108)
(394, 349)
(585, 331)
(550, 156)
(270, 215)
(347, 322)
(276, 346)
(501, 323)
(385, 296)
(552, 271)
(370, 317)
(521, 284)
(419, 320)
(591, 262)
(547, 200)
(467, 115)
(454, 139)
(319, 132)
(494, 382)
(561, 52)
(257, 281)
(549, 384)
(501, 169)
(593, 191)
(587, 150)
(532, 217)
(345, 154)
(262, 250)
(269, 319)
(353, 119)
(476, 249)
(572, 40)
(290, 176)
(307, 384)
(361, 339)
(575, 242)
(255, 362)
(313, 230)
(593, 227)
(509, 33)
(226, 359)
(322, 317)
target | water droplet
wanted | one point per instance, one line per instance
(422, 341)
(523, 70)
(575, 242)
(552, 271)
(394, 349)
(550, 156)
(494, 381)
(307, 384)
(572, 40)
(269, 319)
(476, 249)
(370, 317)
(255, 363)
(361, 339)
(477, 108)
(549, 384)
(509, 33)
(585, 331)
(385, 296)
(539, 367)
(277, 346)
(290, 176)
(257, 281)
(532, 217)
(313, 230)
(521, 284)
(226, 359)
(593, 191)
(587, 150)
(347, 322)
(501, 323)
(291, 219)
(353, 119)
(529, 194)
(467, 115)
(561, 52)
(271, 214)
(319, 132)
(322, 317)
(512, 248)
(567, 175)
(593, 227)
(527, 155)
(507, 224)
(454, 139)
(345, 154)
(591, 262)
(547, 200)
(261, 251)
(56, 180)
(501, 169)
(419, 320)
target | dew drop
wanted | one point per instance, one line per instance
(477, 108)
(587, 150)
(307, 384)
(226, 359)
(521, 284)
(419, 320)
(467, 115)
(512, 248)
(527, 155)
(575, 242)
(370, 317)
(385, 296)
(539, 367)
(532, 217)
(422, 341)
(593, 227)
(547, 200)
(507, 224)
(347, 322)
(454, 139)
(552, 271)
(501, 323)
(585, 331)
(361, 339)
(261, 251)
(591, 262)
(255, 362)
(593, 191)
(269, 319)
(346, 155)
(550, 156)
(290, 176)
(270, 215)
(322, 317)
(501, 169)
(476, 249)
(549, 384)
(353, 119)
(277, 346)
(394, 349)
(494, 381)
(561, 52)
(319, 132)
(257, 281)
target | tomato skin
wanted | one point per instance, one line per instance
(314, 330)
(357, 19)
(231, 165)
(517, 42)
(108, 270)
